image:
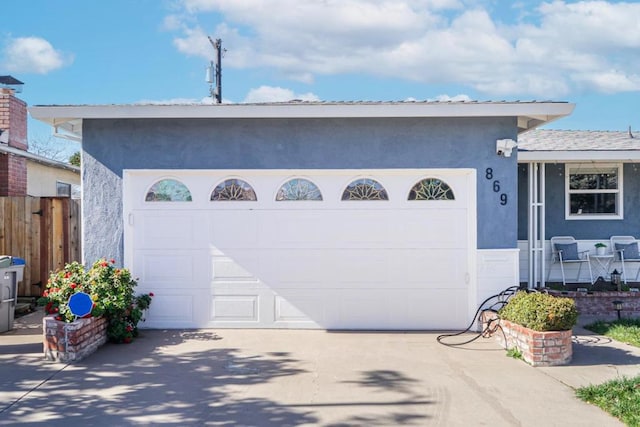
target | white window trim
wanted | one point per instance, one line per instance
(619, 191)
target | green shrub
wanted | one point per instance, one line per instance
(540, 312)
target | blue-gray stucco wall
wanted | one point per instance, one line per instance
(557, 225)
(110, 146)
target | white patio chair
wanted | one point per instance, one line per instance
(564, 250)
(625, 250)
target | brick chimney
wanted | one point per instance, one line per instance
(13, 121)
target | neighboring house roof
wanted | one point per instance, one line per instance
(578, 145)
(39, 159)
(10, 80)
(68, 118)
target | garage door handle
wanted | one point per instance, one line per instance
(130, 219)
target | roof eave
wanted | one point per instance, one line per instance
(555, 156)
(39, 159)
(529, 114)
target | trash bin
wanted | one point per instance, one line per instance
(10, 275)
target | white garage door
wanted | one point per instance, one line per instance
(331, 249)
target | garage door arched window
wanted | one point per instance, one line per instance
(431, 189)
(298, 189)
(234, 190)
(168, 190)
(365, 189)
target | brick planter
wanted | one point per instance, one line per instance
(537, 348)
(601, 303)
(71, 342)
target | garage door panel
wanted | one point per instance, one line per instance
(396, 309)
(357, 228)
(243, 267)
(445, 308)
(260, 309)
(430, 267)
(363, 228)
(357, 268)
(177, 308)
(307, 229)
(236, 308)
(234, 228)
(436, 266)
(343, 228)
(432, 229)
(287, 266)
(296, 309)
(177, 268)
(296, 229)
(169, 230)
(358, 309)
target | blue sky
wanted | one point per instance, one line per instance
(131, 51)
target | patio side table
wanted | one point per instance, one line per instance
(601, 265)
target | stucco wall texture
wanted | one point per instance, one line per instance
(111, 146)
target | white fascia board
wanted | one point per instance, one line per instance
(70, 117)
(539, 110)
(578, 156)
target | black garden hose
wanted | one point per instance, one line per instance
(501, 299)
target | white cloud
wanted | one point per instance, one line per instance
(550, 51)
(172, 23)
(610, 82)
(276, 94)
(194, 43)
(33, 55)
(180, 101)
(456, 98)
(172, 101)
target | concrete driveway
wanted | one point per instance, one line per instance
(291, 378)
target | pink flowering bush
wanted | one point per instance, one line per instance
(111, 290)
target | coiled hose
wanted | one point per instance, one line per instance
(500, 301)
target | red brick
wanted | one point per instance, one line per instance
(82, 338)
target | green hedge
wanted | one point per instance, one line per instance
(540, 312)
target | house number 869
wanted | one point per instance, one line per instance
(488, 174)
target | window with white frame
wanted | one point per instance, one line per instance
(594, 191)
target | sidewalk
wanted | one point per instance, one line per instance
(293, 377)
(596, 359)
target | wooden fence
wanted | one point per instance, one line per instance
(44, 231)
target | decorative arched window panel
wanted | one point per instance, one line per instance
(168, 190)
(234, 190)
(431, 189)
(298, 189)
(365, 189)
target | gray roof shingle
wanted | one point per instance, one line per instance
(577, 140)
